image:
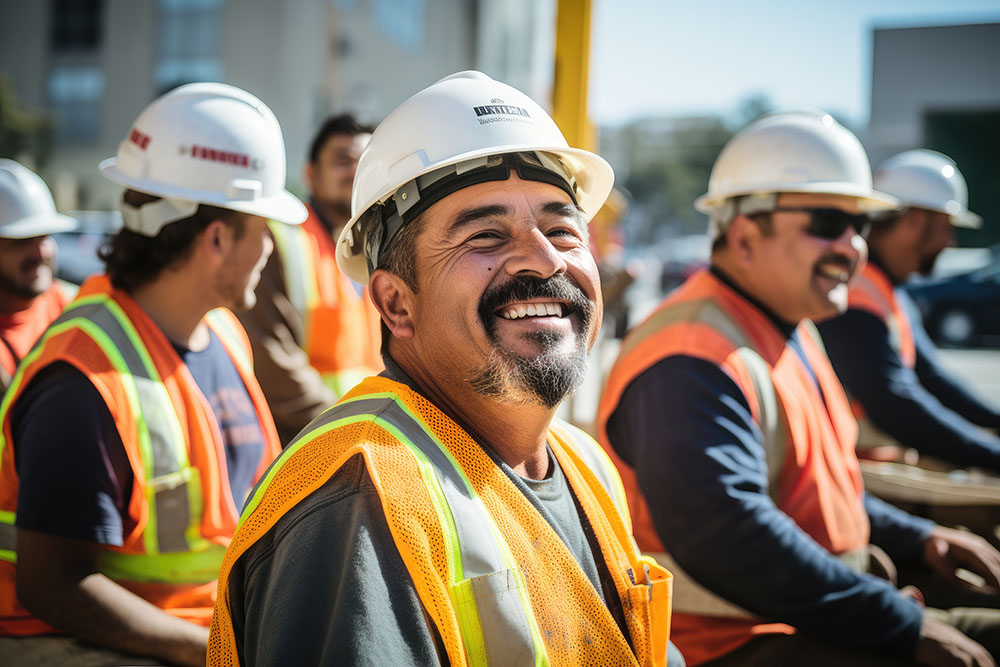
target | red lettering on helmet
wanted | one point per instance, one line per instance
(138, 138)
(215, 155)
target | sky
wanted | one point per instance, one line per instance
(665, 57)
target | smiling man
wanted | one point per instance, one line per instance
(440, 514)
(736, 442)
(134, 430)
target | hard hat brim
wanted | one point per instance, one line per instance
(595, 179)
(283, 207)
(42, 224)
(871, 201)
(967, 219)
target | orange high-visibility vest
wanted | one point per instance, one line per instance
(872, 291)
(815, 477)
(23, 328)
(342, 331)
(181, 513)
(499, 585)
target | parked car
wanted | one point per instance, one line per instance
(78, 248)
(962, 309)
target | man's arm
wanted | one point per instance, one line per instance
(686, 429)
(326, 585)
(902, 535)
(295, 391)
(58, 581)
(74, 485)
(952, 392)
(895, 400)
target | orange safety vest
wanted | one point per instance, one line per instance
(497, 582)
(814, 475)
(342, 330)
(872, 291)
(181, 513)
(20, 330)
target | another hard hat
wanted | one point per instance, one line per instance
(928, 179)
(26, 206)
(204, 143)
(427, 148)
(803, 152)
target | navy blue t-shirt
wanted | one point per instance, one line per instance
(74, 476)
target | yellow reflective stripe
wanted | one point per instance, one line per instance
(185, 567)
(225, 329)
(9, 556)
(7, 517)
(298, 264)
(469, 624)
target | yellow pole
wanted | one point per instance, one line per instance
(572, 72)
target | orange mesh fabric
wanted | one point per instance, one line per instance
(576, 626)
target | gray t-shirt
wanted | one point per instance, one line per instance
(326, 585)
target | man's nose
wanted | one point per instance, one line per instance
(533, 253)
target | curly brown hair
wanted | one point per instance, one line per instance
(132, 260)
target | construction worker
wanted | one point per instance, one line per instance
(736, 442)
(314, 333)
(134, 430)
(440, 514)
(30, 298)
(879, 347)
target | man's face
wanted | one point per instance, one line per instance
(240, 270)
(937, 235)
(331, 177)
(799, 275)
(509, 296)
(27, 266)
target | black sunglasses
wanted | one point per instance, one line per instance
(831, 223)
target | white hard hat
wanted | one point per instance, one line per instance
(204, 143)
(425, 148)
(928, 179)
(26, 206)
(801, 152)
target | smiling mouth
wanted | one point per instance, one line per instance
(834, 272)
(523, 310)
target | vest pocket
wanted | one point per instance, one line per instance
(492, 619)
(648, 603)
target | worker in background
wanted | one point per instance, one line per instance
(135, 429)
(315, 334)
(736, 442)
(30, 297)
(440, 514)
(879, 347)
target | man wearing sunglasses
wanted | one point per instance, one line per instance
(879, 347)
(735, 440)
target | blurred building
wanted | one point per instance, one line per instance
(938, 87)
(94, 64)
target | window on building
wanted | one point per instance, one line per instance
(75, 93)
(188, 47)
(402, 21)
(76, 25)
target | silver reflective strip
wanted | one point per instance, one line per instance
(8, 537)
(506, 630)
(590, 452)
(157, 413)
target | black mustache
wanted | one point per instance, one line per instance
(524, 288)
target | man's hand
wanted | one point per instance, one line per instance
(941, 645)
(948, 549)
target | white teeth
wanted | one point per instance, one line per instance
(533, 310)
(834, 272)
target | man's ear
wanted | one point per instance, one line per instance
(742, 236)
(216, 240)
(393, 299)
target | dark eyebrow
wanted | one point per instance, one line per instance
(565, 210)
(469, 216)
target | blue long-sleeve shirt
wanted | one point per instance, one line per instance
(922, 407)
(686, 429)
